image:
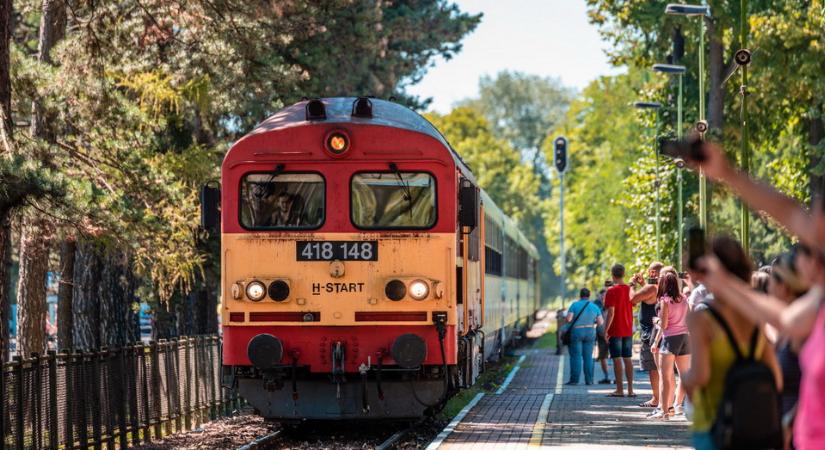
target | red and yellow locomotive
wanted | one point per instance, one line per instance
(364, 274)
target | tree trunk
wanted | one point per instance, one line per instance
(5, 77)
(65, 319)
(164, 323)
(37, 233)
(5, 284)
(117, 298)
(85, 301)
(31, 290)
(816, 133)
(52, 29)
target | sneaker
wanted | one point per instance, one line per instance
(605, 381)
(571, 383)
(679, 410)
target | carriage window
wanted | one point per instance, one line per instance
(393, 200)
(283, 201)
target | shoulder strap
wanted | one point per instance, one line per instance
(575, 319)
(754, 343)
(728, 332)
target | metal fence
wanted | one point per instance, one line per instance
(115, 398)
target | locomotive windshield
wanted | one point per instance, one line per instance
(282, 201)
(393, 200)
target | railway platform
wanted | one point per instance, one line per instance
(536, 410)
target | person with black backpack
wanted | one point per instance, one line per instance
(734, 380)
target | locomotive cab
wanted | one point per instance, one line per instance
(352, 264)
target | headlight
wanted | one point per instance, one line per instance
(255, 291)
(419, 289)
(395, 290)
(279, 290)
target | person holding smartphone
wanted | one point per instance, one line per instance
(675, 348)
(643, 293)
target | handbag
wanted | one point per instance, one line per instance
(565, 334)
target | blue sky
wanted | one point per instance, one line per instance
(543, 37)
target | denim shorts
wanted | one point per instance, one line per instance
(621, 347)
(676, 345)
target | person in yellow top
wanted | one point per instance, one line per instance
(711, 351)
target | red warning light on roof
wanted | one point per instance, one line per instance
(337, 142)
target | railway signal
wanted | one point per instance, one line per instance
(560, 153)
(560, 161)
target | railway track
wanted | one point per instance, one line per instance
(379, 436)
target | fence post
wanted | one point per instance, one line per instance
(198, 404)
(94, 407)
(4, 413)
(213, 397)
(120, 385)
(36, 400)
(176, 385)
(53, 423)
(147, 437)
(155, 389)
(108, 389)
(21, 413)
(168, 373)
(222, 410)
(69, 407)
(187, 396)
(133, 376)
(81, 383)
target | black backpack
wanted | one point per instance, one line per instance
(748, 415)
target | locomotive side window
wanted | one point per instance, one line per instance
(383, 200)
(282, 201)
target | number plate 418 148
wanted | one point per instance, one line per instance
(340, 250)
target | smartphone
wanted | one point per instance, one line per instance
(683, 275)
(652, 280)
(608, 283)
(696, 246)
(688, 149)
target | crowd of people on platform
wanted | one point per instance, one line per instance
(729, 338)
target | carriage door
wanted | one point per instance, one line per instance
(472, 245)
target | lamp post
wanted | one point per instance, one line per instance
(743, 58)
(655, 106)
(680, 71)
(702, 11)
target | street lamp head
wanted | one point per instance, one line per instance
(648, 105)
(678, 9)
(669, 68)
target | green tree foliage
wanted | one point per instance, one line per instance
(495, 164)
(145, 96)
(785, 91)
(610, 183)
(522, 108)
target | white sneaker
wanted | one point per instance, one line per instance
(679, 410)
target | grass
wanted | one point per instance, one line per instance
(488, 382)
(547, 340)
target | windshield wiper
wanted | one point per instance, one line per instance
(267, 189)
(404, 185)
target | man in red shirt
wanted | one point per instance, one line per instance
(620, 330)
